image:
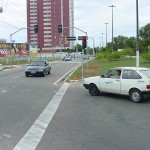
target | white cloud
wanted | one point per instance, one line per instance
(93, 14)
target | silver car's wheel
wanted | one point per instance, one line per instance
(135, 95)
(27, 75)
(44, 73)
(93, 90)
(49, 72)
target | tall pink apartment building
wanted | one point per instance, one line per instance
(48, 14)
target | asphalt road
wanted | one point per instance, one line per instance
(78, 120)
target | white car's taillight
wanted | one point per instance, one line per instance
(148, 86)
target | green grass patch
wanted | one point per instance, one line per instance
(98, 67)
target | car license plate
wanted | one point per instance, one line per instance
(33, 71)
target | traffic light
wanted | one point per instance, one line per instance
(84, 42)
(60, 28)
(35, 28)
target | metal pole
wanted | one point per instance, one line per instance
(100, 43)
(102, 39)
(93, 48)
(106, 32)
(137, 35)
(83, 59)
(82, 65)
(61, 3)
(76, 47)
(62, 22)
(112, 29)
(10, 49)
(11, 42)
(82, 51)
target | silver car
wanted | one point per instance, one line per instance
(40, 67)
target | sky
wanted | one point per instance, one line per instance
(89, 16)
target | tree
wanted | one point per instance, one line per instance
(79, 47)
(130, 42)
(144, 37)
(119, 42)
(145, 34)
(128, 52)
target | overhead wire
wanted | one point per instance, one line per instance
(12, 6)
(2, 3)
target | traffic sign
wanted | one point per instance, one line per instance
(71, 38)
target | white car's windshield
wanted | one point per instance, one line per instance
(37, 63)
(146, 73)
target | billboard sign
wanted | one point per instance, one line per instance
(14, 49)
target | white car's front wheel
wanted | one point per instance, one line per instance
(135, 96)
(93, 90)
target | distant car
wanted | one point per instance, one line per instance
(39, 67)
(131, 81)
(67, 58)
(86, 57)
(1, 67)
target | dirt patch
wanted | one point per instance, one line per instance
(91, 69)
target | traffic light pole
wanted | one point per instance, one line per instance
(82, 50)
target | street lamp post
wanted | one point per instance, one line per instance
(102, 39)
(11, 42)
(100, 43)
(1, 9)
(137, 35)
(93, 45)
(112, 6)
(106, 32)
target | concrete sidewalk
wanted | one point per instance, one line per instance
(9, 67)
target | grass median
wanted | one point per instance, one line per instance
(98, 67)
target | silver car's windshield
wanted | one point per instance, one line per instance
(37, 63)
(146, 73)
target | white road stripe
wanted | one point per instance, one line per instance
(34, 135)
(3, 91)
(65, 74)
(17, 76)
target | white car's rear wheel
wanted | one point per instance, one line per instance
(93, 90)
(135, 95)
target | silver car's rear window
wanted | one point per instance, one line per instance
(146, 73)
(37, 63)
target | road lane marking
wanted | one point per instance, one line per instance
(5, 136)
(66, 74)
(3, 91)
(17, 76)
(34, 135)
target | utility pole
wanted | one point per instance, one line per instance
(100, 43)
(62, 23)
(1, 9)
(102, 39)
(106, 32)
(137, 35)
(112, 6)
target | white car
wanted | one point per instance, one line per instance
(67, 58)
(132, 81)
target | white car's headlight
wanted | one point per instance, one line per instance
(26, 69)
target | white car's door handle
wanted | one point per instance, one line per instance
(118, 80)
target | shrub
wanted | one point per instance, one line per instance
(146, 57)
(110, 56)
